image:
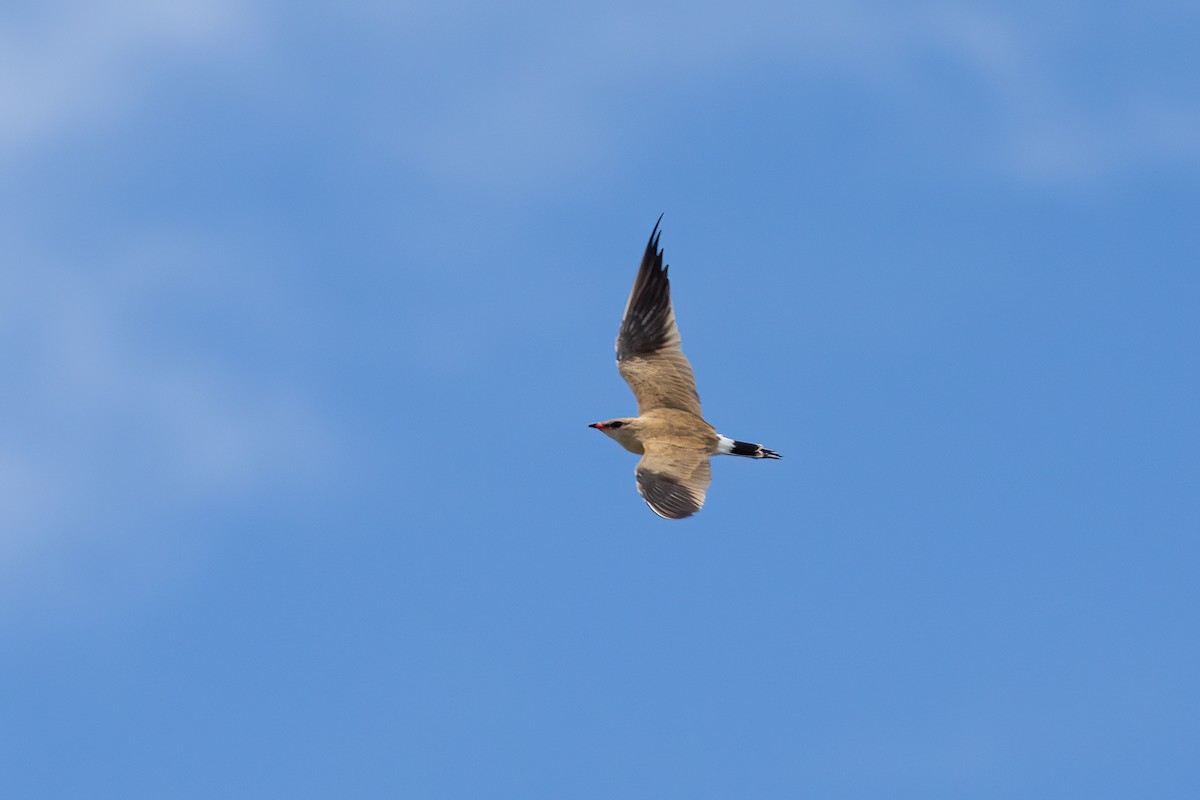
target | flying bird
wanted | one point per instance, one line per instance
(669, 432)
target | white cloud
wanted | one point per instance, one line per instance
(125, 414)
(544, 94)
(73, 65)
(1053, 127)
(554, 107)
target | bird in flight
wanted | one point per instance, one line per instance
(669, 432)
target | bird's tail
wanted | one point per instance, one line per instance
(732, 447)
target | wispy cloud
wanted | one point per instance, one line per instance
(547, 94)
(1056, 119)
(556, 105)
(127, 412)
(65, 66)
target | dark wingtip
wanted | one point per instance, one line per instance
(645, 324)
(655, 235)
(654, 254)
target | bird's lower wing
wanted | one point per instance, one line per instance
(673, 479)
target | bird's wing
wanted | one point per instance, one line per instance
(673, 478)
(649, 356)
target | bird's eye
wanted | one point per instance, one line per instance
(616, 424)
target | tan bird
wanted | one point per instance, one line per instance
(669, 432)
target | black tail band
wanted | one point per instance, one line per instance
(752, 450)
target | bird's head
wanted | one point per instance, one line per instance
(623, 430)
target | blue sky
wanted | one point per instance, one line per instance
(307, 310)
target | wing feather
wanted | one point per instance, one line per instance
(649, 353)
(673, 479)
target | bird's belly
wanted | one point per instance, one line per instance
(681, 427)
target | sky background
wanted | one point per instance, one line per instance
(306, 309)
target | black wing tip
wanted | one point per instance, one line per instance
(644, 326)
(652, 261)
(653, 251)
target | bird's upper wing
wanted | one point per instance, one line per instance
(649, 355)
(673, 478)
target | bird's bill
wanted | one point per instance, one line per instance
(597, 425)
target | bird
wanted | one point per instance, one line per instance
(669, 432)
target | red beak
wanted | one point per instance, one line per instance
(597, 425)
